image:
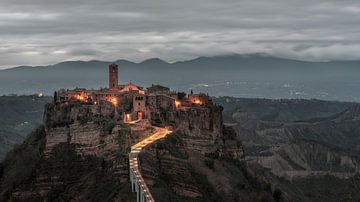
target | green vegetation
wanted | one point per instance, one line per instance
(82, 177)
(163, 193)
(19, 116)
(124, 133)
(107, 124)
(209, 163)
(84, 119)
(208, 191)
(329, 188)
(88, 172)
(21, 163)
(171, 143)
(278, 195)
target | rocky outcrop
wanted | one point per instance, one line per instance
(202, 130)
(81, 154)
(199, 162)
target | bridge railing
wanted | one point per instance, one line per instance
(138, 184)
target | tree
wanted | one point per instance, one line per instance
(55, 96)
(181, 95)
(278, 195)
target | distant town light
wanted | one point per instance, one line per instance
(114, 101)
(198, 102)
(40, 94)
(79, 97)
(177, 104)
(127, 118)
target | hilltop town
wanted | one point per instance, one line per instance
(128, 143)
(131, 102)
(111, 144)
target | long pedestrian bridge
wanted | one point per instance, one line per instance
(138, 184)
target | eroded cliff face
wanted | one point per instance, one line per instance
(305, 158)
(83, 156)
(202, 130)
(327, 145)
(300, 149)
(201, 161)
(308, 148)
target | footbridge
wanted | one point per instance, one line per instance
(138, 184)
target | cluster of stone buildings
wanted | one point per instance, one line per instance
(133, 102)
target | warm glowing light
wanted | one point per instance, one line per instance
(198, 102)
(40, 94)
(79, 97)
(114, 101)
(177, 104)
(127, 118)
(139, 114)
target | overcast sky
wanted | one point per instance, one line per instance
(39, 32)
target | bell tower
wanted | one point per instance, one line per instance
(113, 76)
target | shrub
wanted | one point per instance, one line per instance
(209, 163)
(278, 195)
(108, 126)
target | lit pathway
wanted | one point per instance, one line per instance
(137, 181)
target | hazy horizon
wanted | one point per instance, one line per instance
(184, 60)
(236, 75)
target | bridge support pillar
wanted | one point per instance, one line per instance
(137, 192)
(131, 180)
(143, 196)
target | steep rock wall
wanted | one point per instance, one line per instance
(84, 156)
(199, 160)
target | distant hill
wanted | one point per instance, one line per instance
(19, 116)
(311, 146)
(253, 75)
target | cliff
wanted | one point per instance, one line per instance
(201, 161)
(81, 154)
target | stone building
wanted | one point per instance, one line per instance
(131, 102)
(131, 87)
(113, 77)
(78, 94)
(105, 95)
(160, 102)
(200, 99)
(158, 89)
(139, 106)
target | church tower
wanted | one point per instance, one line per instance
(113, 76)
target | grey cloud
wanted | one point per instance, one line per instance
(80, 52)
(39, 32)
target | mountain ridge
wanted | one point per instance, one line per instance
(253, 75)
(156, 60)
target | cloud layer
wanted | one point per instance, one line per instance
(42, 32)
